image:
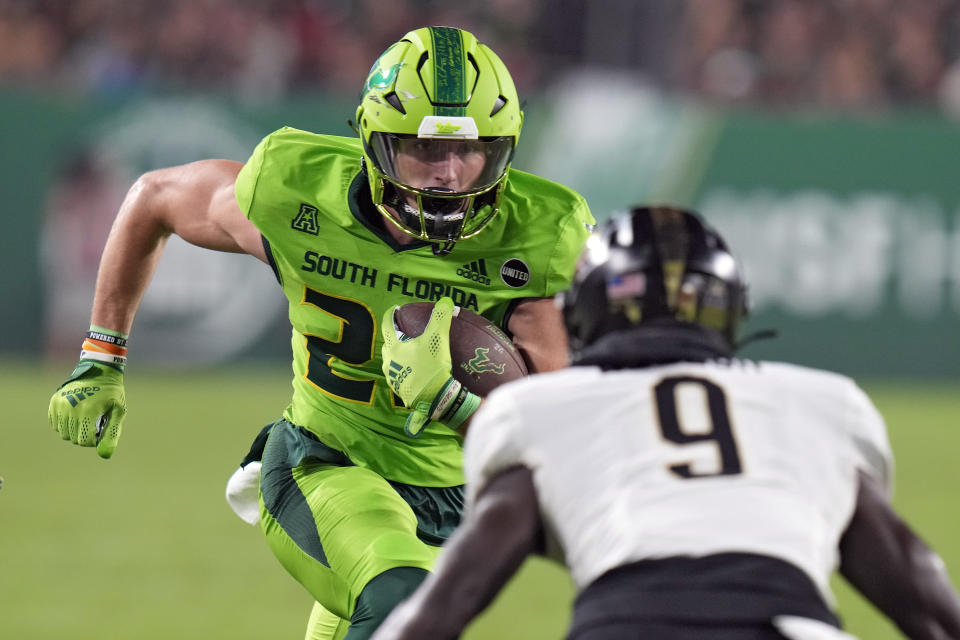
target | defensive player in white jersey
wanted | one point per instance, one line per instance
(691, 494)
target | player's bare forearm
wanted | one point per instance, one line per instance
(485, 551)
(194, 201)
(129, 259)
(896, 571)
(537, 328)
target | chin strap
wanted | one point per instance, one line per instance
(442, 249)
(763, 334)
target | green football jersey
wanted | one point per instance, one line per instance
(340, 271)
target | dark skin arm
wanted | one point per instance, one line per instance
(896, 571)
(478, 560)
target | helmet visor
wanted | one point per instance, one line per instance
(431, 164)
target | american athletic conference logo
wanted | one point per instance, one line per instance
(475, 271)
(306, 220)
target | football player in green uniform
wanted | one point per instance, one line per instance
(357, 491)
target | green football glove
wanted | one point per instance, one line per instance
(88, 409)
(419, 371)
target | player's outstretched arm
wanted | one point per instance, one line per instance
(896, 571)
(196, 202)
(501, 530)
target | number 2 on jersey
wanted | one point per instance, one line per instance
(720, 431)
(354, 346)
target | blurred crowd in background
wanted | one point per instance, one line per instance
(831, 54)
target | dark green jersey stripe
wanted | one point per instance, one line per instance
(449, 71)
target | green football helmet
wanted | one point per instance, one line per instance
(439, 118)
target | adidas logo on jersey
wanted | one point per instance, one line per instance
(476, 271)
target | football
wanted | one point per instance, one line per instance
(482, 355)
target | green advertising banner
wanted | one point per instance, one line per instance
(849, 229)
(850, 234)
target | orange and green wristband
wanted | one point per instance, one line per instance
(105, 346)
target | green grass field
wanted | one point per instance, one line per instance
(144, 547)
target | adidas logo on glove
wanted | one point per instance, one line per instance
(397, 375)
(77, 395)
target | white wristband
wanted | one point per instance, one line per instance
(103, 357)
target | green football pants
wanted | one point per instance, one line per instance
(334, 528)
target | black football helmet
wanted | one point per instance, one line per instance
(660, 266)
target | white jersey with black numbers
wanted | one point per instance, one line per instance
(688, 459)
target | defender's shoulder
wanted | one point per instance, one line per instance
(847, 407)
(826, 389)
(802, 377)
